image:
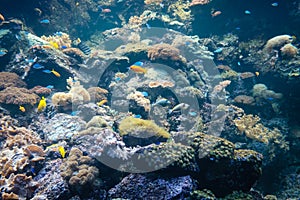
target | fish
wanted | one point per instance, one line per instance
(84, 48)
(58, 33)
(137, 68)
(62, 151)
(219, 50)
(274, 4)
(238, 63)
(42, 105)
(100, 103)
(181, 106)
(38, 11)
(117, 79)
(145, 94)
(55, 73)
(137, 116)
(247, 12)
(63, 47)
(31, 60)
(2, 18)
(257, 73)
(148, 26)
(22, 109)
(106, 10)
(37, 66)
(216, 13)
(193, 113)
(74, 113)
(50, 86)
(54, 45)
(2, 53)
(47, 71)
(45, 21)
(162, 102)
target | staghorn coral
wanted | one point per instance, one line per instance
(78, 170)
(8, 79)
(18, 96)
(139, 131)
(165, 52)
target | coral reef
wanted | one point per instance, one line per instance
(97, 94)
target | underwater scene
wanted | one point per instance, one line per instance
(150, 99)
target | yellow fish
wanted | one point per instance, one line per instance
(62, 151)
(22, 109)
(54, 44)
(55, 73)
(100, 103)
(138, 69)
(257, 73)
(42, 105)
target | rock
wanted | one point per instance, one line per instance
(138, 186)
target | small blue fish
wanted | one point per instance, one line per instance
(139, 63)
(47, 71)
(37, 66)
(238, 63)
(18, 37)
(274, 4)
(117, 79)
(270, 98)
(237, 28)
(58, 33)
(30, 60)
(247, 12)
(145, 94)
(2, 53)
(148, 26)
(50, 86)
(137, 116)
(45, 21)
(74, 113)
(64, 47)
(192, 113)
(219, 50)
